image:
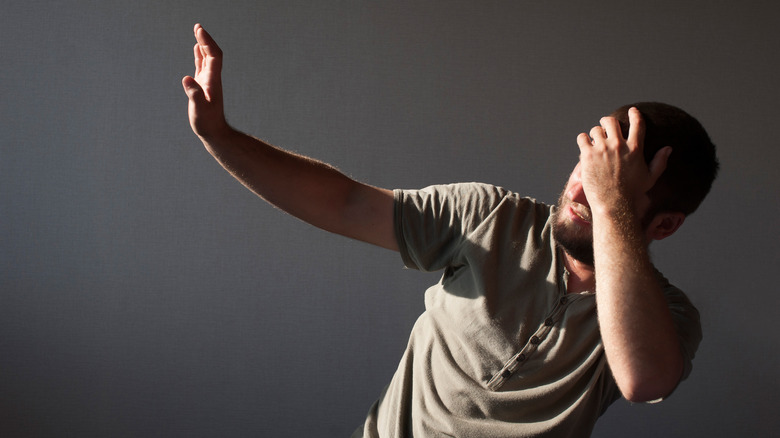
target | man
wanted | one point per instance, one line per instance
(511, 343)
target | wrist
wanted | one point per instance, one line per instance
(220, 133)
(619, 211)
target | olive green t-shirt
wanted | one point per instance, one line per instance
(501, 350)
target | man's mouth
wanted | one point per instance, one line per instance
(580, 211)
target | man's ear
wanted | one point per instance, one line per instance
(664, 225)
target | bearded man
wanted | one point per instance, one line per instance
(544, 315)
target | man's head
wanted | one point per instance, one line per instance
(693, 164)
(690, 171)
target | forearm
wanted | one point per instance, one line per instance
(308, 189)
(636, 325)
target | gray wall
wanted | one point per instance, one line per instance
(145, 293)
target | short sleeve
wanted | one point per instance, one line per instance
(431, 223)
(687, 323)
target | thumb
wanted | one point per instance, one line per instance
(193, 90)
(658, 164)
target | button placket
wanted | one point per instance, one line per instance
(518, 360)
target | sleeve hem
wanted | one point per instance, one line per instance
(403, 249)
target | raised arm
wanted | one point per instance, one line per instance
(636, 324)
(313, 191)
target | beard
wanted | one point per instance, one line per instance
(577, 239)
(573, 238)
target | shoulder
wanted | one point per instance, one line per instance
(469, 206)
(468, 195)
(677, 299)
(463, 190)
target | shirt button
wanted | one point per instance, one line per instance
(506, 374)
(535, 340)
(563, 300)
(548, 322)
(521, 358)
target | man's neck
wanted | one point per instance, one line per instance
(582, 277)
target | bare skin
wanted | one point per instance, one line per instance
(612, 180)
(605, 196)
(308, 189)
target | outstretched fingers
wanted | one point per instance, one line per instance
(207, 43)
(204, 89)
(208, 63)
(198, 57)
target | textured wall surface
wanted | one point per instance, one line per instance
(145, 293)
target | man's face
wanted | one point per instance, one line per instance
(572, 219)
(572, 227)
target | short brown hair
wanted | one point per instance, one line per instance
(693, 164)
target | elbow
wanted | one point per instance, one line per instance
(644, 393)
(648, 387)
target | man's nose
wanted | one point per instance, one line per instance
(575, 192)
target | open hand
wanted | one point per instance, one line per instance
(206, 110)
(613, 167)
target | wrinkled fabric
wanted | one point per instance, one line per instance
(501, 350)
